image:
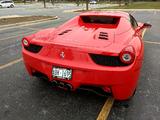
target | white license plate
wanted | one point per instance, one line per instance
(62, 73)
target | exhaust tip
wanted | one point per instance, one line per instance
(61, 85)
(54, 83)
(69, 87)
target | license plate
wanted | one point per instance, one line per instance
(62, 73)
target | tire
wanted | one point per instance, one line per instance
(12, 6)
(125, 103)
(0, 6)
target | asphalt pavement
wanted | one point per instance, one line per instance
(27, 98)
(38, 8)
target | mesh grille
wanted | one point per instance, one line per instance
(103, 36)
(107, 60)
(33, 48)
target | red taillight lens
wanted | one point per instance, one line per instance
(127, 55)
(25, 42)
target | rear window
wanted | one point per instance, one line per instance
(7, 2)
(100, 19)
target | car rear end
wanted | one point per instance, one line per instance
(71, 64)
(79, 68)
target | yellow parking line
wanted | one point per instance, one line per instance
(69, 11)
(10, 63)
(143, 32)
(14, 36)
(150, 42)
(31, 28)
(103, 115)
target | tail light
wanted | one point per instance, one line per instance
(25, 42)
(127, 55)
(31, 47)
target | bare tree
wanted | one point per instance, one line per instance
(77, 2)
(131, 1)
(82, 2)
(24, 1)
(52, 1)
(44, 2)
(126, 2)
(119, 2)
(87, 4)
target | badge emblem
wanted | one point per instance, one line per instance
(62, 55)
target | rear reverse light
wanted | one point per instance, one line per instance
(127, 55)
(25, 42)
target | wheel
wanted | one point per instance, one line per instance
(11, 6)
(0, 6)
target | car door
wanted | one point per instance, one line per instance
(5, 3)
(8, 3)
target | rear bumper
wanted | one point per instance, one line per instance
(121, 80)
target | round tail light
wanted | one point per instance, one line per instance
(127, 55)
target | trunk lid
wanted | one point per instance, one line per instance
(85, 37)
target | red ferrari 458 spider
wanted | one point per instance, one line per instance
(102, 50)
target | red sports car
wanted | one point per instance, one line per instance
(102, 50)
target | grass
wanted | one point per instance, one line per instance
(137, 5)
(14, 20)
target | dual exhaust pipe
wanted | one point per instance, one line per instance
(62, 85)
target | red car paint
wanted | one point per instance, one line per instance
(76, 44)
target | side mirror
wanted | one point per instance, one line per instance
(147, 25)
(141, 27)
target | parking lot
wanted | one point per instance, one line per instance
(27, 98)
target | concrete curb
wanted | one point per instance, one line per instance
(27, 23)
(73, 10)
(132, 9)
(77, 10)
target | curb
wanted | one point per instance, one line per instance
(78, 10)
(73, 10)
(27, 23)
(132, 9)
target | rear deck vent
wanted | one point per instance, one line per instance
(66, 31)
(103, 36)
